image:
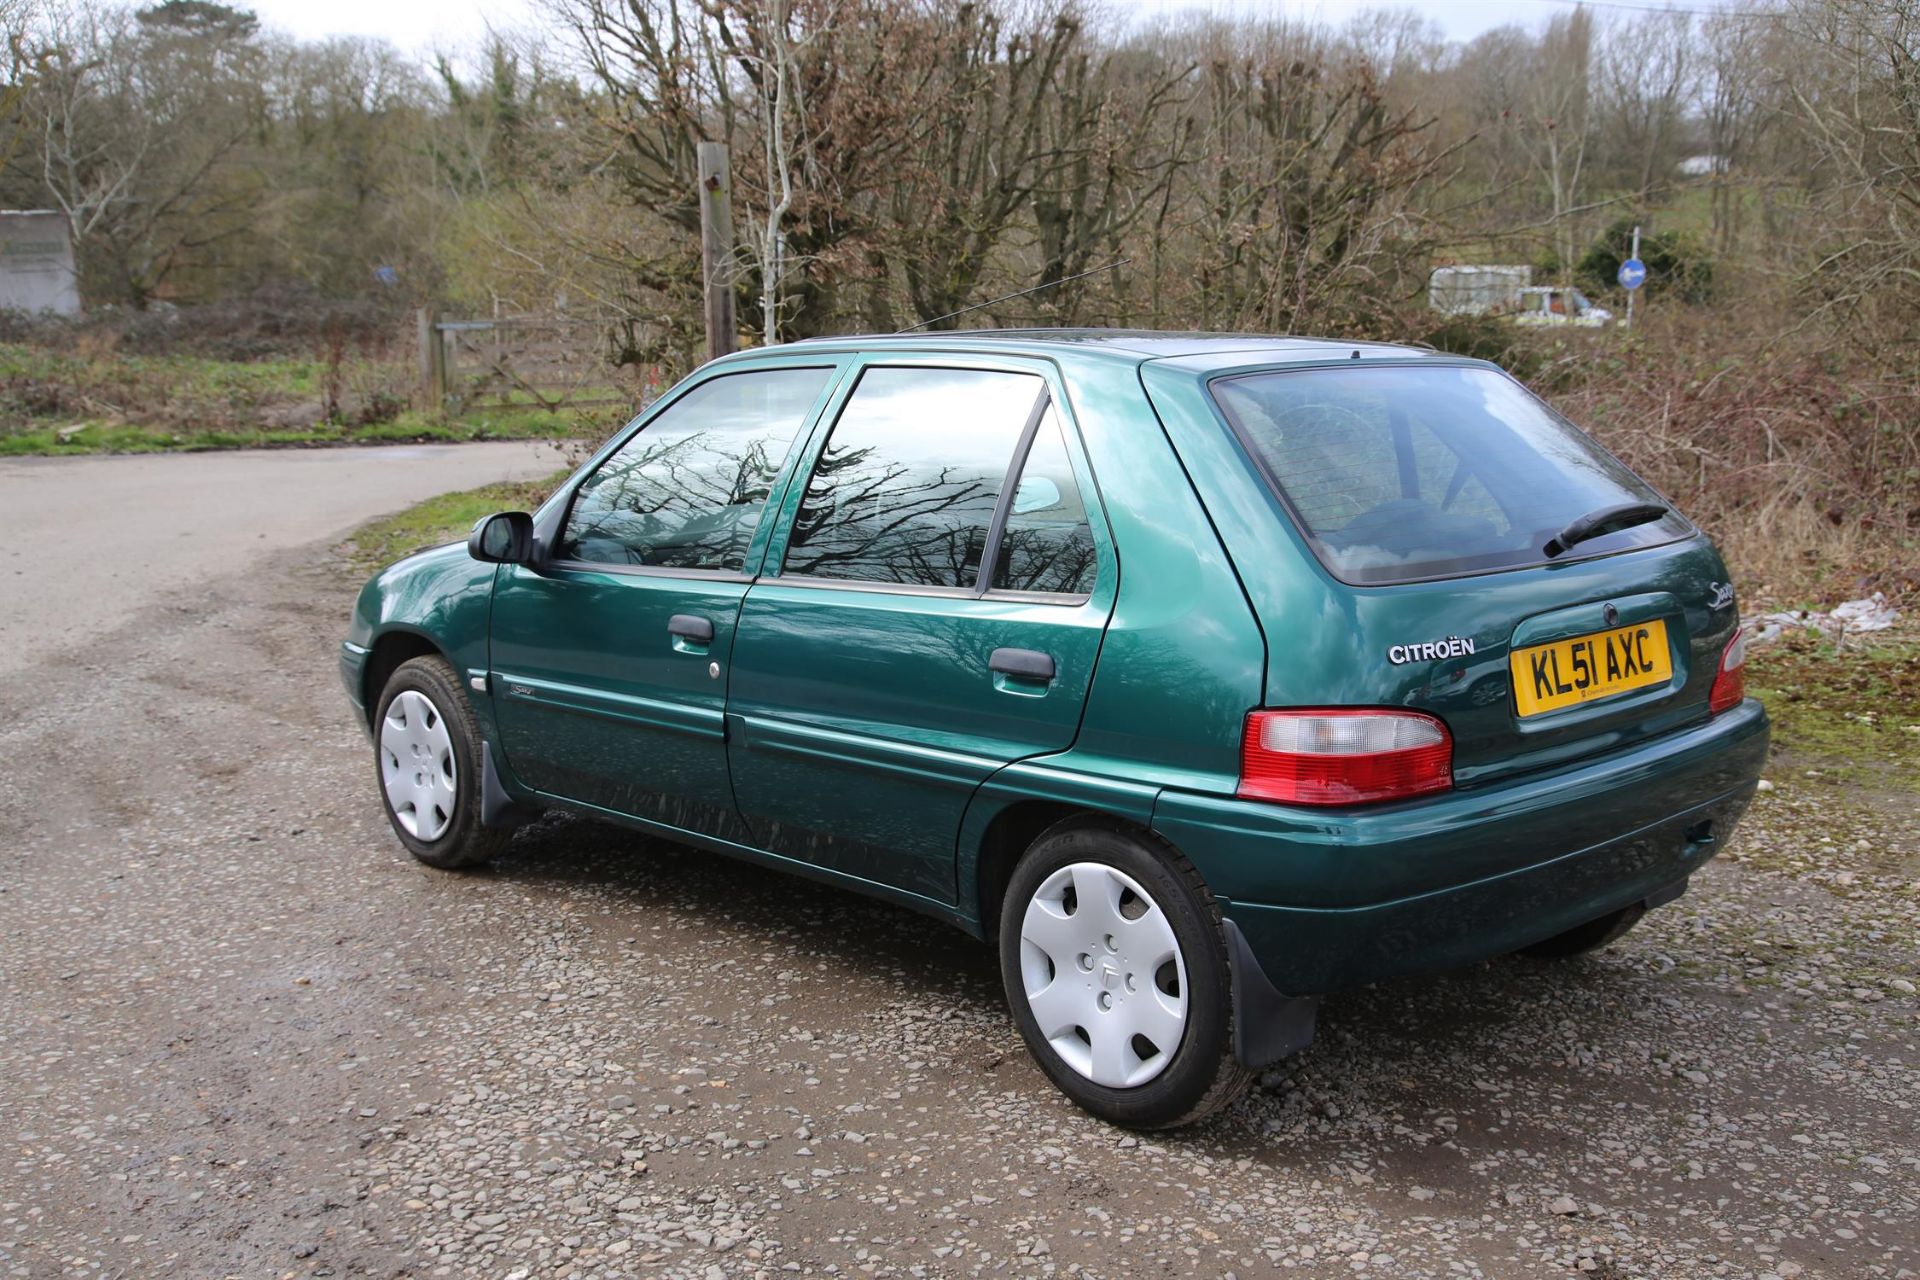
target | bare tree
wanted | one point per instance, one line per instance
(776, 97)
(759, 39)
(138, 116)
(1736, 110)
(88, 154)
(1557, 125)
(1646, 74)
(1298, 207)
(1113, 148)
(1858, 101)
(979, 150)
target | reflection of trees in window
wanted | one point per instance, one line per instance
(1056, 558)
(687, 491)
(906, 488)
(877, 520)
(686, 503)
(1046, 545)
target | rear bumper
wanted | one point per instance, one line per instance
(1340, 898)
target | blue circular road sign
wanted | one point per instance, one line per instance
(1633, 273)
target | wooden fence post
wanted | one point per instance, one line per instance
(716, 246)
(433, 363)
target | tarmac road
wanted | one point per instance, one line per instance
(243, 1034)
(89, 542)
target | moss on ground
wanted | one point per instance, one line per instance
(1843, 783)
(1851, 712)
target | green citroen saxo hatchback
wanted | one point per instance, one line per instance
(1201, 675)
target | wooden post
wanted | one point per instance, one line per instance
(716, 247)
(433, 363)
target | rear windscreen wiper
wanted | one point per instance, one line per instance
(1605, 520)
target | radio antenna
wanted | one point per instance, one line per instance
(979, 306)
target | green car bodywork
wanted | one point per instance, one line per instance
(860, 736)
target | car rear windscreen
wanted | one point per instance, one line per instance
(1404, 473)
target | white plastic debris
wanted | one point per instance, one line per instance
(1871, 614)
(1855, 617)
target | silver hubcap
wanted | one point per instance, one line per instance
(1103, 975)
(416, 764)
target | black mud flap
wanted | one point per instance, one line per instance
(497, 808)
(1267, 1026)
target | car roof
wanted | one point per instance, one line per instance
(1132, 345)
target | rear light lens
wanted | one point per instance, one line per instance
(1343, 757)
(1730, 678)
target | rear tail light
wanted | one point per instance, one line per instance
(1730, 677)
(1343, 757)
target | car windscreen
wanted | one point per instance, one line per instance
(1405, 473)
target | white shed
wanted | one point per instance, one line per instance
(36, 262)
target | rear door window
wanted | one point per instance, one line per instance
(1401, 474)
(1047, 545)
(905, 490)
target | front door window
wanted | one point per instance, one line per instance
(687, 491)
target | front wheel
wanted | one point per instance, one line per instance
(1114, 960)
(426, 749)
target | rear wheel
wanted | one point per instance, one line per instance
(1591, 936)
(426, 750)
(1114, 961)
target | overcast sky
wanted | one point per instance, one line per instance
(426, 25)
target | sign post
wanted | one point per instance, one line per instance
(1633, 274)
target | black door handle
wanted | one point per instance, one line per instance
(691, 627)
(1024, 664)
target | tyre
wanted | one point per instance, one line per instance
(426, 753)
(1115, 965)
(1591, 936)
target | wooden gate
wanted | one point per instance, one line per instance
(553, 362)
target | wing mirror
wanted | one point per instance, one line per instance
(503, 538)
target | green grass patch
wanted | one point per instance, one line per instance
(107, 373)
(444, 519)
(1853, 712)
(407, 428)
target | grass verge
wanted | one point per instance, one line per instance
(97, 400)
(1843, 783)
(407, 428)
(443, 519)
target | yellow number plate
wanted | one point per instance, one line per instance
(1548, 677)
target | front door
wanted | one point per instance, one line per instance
(610, 654)
(940, 596)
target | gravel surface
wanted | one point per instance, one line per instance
(245, 1035)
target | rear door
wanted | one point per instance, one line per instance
(609, 656)
(929, 612)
